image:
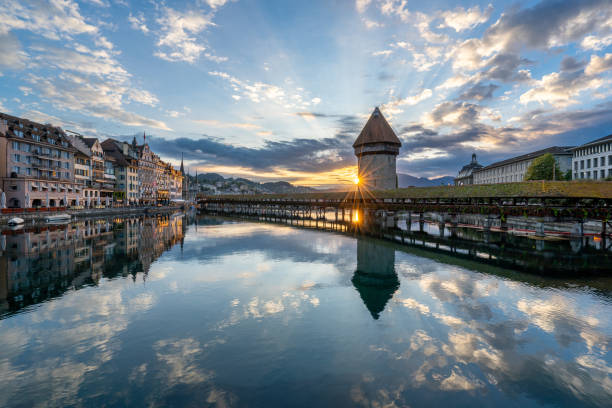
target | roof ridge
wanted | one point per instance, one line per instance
(377, 130)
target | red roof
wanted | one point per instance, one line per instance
(377, 130)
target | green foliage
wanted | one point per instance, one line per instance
(543, 168)
(568, 175)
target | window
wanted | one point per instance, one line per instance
(16, 158)
(576, 165)
(19, 133)
(15, 145)
(66, 165)
(581, 164)
(588, 163)
(25, 147)
(15, 169)
(602, 174)
(36, 137)
(595, 175)
(28, 171)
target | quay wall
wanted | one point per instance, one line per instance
(90, 213)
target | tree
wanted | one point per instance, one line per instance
(543, 168)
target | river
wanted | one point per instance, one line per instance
(206, 311)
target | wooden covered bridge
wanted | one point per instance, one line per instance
(553, 201)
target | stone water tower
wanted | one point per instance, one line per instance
(376, 149)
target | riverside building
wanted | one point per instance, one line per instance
(593, 160)
(466, 176)
(514, 169)
(36, 164)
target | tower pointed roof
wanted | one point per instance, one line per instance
(182, 167)
(377, 130)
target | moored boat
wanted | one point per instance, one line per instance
(15, 221)
(57, 218)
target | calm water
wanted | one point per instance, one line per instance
(164, 312)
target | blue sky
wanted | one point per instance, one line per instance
(276, 90)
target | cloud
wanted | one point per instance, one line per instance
(362, 5)
(219, 124)
(384, 53)
(53, 20)
(177, 39)
(596, 43)
(138, 22)
(546, 25)
(97, 98)
(258, 92)
(11, 54)
(371, 24)
(216, 3)
(459, 114)
(570, 64)
(461, 19)
(304, 155)
(479, 92)
(598, 65)
(560, 88)
(393, 107)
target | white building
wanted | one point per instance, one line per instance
(514, 170)
(593, 160)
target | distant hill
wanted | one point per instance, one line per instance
(282, 187)
(278, 187)
(210, 178)
(406, 180)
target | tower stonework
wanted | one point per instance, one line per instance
(376, 149)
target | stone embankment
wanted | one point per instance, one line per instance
(31, 217)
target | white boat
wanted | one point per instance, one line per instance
(15, 221)
(57, 218)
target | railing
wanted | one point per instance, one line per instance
(30, 210)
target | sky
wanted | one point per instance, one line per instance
(279, 90)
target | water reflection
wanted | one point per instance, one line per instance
(162, 311)
(375, 278)
(37, 264)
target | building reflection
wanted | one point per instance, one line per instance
(375, 278)
(37, 264)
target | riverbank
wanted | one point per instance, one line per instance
(90, 213)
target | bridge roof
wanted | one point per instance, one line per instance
(377, 130)
(549, 189)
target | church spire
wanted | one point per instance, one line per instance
(182, 167)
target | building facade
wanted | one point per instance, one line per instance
(376, 149)
(126, 170)
(465, 176)
(146, 174)
(82, 166)
(36, 165)
(514, 170)
(593, 160)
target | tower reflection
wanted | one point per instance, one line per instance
(375, 278)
